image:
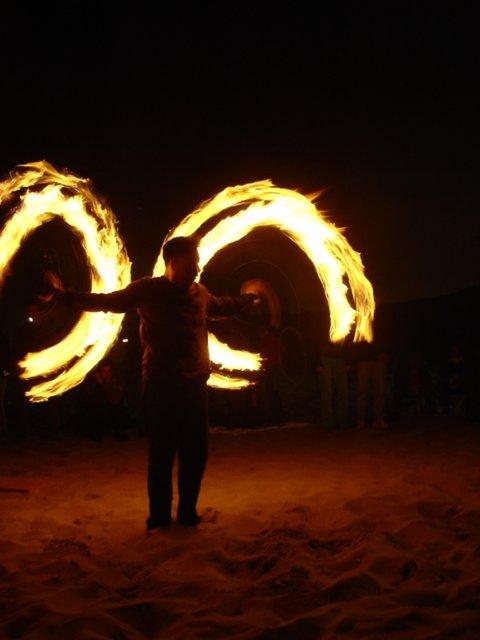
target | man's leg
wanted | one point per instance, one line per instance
(162, 441)
(192, 453)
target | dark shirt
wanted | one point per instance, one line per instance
(173, 322)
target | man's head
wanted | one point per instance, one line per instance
(181, 259)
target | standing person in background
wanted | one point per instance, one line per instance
(103, 407)
(332, 371)
(472, 384)
(455, 381)
(371, 382)
(5, 371)
(270, 347)
(173, 312)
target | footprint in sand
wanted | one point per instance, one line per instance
(396, 541)
(283, 533)
(66, 546)
(437, 509)
(26, 621)
(468, 521)
(332, 546)
(350, 588)
(92, 496)
(296, 579)
(310, 628)
(210, 515)
(148, 618)
(346, 625)
(466, 596)
(252, 567)
(393, 569)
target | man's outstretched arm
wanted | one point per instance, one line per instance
(116, 302)
(226, 306)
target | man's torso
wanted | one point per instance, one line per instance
(173, 330)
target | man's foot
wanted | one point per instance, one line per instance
(189, 520)
(380, 424)
(158, 523)
(360, 424)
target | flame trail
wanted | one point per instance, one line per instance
(258, 203)
(70, 360)
(263, 204)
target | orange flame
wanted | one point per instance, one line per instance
(261, 204)
(70, 360)
(264, 204)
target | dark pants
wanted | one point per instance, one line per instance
(176, 421)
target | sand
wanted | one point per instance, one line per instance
(371, 534)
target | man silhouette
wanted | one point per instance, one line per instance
(175, 367)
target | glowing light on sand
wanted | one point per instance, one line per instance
(261, 204)
(45, 193)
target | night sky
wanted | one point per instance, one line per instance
(163, 109)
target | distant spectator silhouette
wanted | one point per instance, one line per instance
(472, 384)
(371, 381)
(6, 366)
(455, 382)
(332, 370)
(270, 377)
(103, 409)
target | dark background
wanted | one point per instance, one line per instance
(162, 109)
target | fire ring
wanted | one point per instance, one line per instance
(262, 204)
(44, 194)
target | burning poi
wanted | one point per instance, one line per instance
(45, 193)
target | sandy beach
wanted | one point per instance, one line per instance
(306, 535)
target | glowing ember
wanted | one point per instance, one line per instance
(69, 197)
(263, 204)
